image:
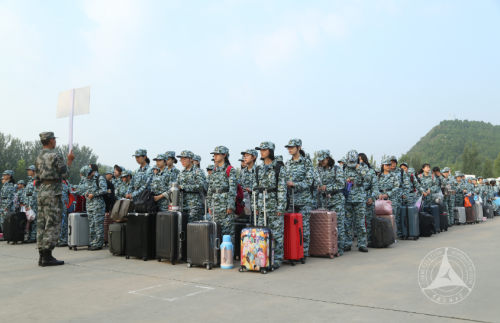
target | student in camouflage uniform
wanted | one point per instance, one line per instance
(222, 191)
(196, 162)
(63, 238)
(372, 192)
(161, 182)
(389, 188)
(247, 175)
(412, 195)
(142, 177)
(275, 199)
(117, 180)
(448, 183)
(190, 182)
(50, 170)
(427, 184)
(7, 194)
(210, 170)
(333, 180)
(300, 179)
(357, 174)
(122, 189)
(21, 187)
(96, 207)
(461, 190)
(404, 186)
(31, 200)
(174, 172)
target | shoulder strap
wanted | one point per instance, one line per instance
(148, 171)
(257, 175)
(335, 169)
(277, 170)
(228, 170)
(97, 181)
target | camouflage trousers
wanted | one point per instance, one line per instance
(449, 201)
(370, 211)
(162, 204)
(396, 211)
(50, 213)
(277, 225)
(306, 216)
(194, 208)
(95, 212)
(63, 238)
(2, 215)
(33, 226)
(355, 214)
(459, 200)
(427, 200)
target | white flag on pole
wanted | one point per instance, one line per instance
(71, 103)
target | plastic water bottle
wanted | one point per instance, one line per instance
(226, 252)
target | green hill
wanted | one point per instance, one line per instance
(445, 143)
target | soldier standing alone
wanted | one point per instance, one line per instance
(50, 171)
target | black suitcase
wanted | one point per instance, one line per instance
(203, 242)
(237, 237)
(433, 210)
(117, 238)
(14, 227)
(141, 236)
(443, 221)
(171, 242)
(427, 227)
(382, 233)
(488, 211)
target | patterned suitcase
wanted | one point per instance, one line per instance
(257, 251)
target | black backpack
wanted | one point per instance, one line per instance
(109, 197)
(427, 224)
(382, 233)
(145, 202)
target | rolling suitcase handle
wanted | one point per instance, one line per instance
(264, 193)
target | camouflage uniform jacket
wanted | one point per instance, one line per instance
(141, 181)
(358, 176)
(20, 193)
(161, 182)
(122, 190)
(301, 173)
(201, 172)
(7, 196)
(174, 174)
(65, 194)
(190, 182)
(49, 166)
(30, 200)
(427, 182)
(247, 177)
(389, 184)
(90, 186)
(220, 181)
(404, 182)
(334, 180)
(267, 179)
(117, 182)
(371, 186)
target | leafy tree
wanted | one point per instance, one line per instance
(20, 172)
(416, 161)
(315, 159)
(496, 166)
(488, 168)
(373, 162)
(471, 160)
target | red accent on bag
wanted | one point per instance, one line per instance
(239, 205)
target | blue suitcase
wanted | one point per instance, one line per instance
(434, 211)
(410, 226)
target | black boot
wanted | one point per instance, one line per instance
(363, 249)
(348, 248)
(48, 260)
(40, 251)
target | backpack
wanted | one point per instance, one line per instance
(109, 197)
(145, 202)
(239, 205)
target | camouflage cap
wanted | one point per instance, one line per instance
(122, 169)
(393, 158)
(278, 158)
(411, 171)
(221, 150)
(161, 157)
(32, 167)
(341, 160)
(480, 177)
(186, 153)
(85, 171)
(109, 171)
(266, 145)
(352, 158)
(323, 154)
(377, 169)
(445, 170)
(250, 152)
(386, 161)
(403, 164)
(140, 152)
(20, 182)
(210, 167)
(126, 173)
(197, 158)
(241, 160)
(294, 143)
(47, 135)
(170, 154)
(457, 173)
(8, 172)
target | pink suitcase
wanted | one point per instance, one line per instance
(324, 234)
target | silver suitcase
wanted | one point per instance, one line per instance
(78, 230)
(478, 210)
(459, 213)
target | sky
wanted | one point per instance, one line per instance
(374, 76)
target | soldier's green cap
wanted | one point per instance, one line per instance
(109, 171)
(278, 158)
(32, 167)
(20, 182)
(393, 158)
(140, 152)
(386, 161)
(221, 150)
(411, 170)
(266, 145)
(47, 135)
(186, 153)
(323, 154)
(8, 172)
(403, 163)
(445, 170)
(210, 167)
(161, 157)
(250, 152)
(294, 143)
(197, 158)
(85, 171)
(170, 154)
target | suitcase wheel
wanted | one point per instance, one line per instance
(159, 259)
(292, 263)
(173, 262)
(127, 257)
(144, 259)
(415, 238)
(188, 265)
(241, 270)
(74, 248)
(332, 256)
(209, 266)
(303, 260)
(70, 247)
(264, 271)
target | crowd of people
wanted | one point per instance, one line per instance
(349, 187)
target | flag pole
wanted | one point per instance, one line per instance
(71, 111)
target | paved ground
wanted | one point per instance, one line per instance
(380, 286)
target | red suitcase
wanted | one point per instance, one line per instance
(294, 236)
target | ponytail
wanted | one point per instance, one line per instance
(147, 160)
(226, 160)
(302, 153)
